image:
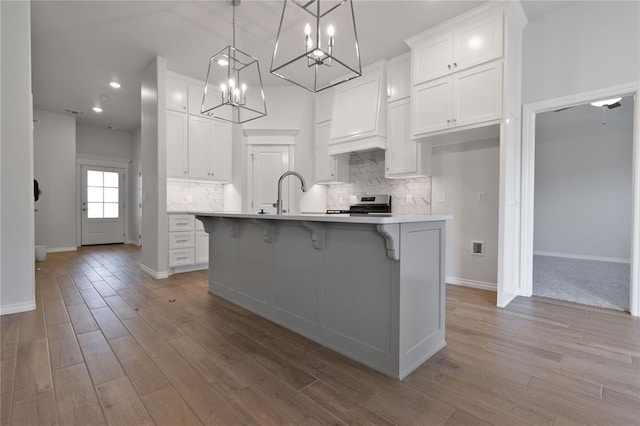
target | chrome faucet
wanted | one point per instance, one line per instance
(278, 204)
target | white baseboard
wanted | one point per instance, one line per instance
(154, 274)
(134, 243)
(189, 268)
(61, 249)
(17, 308)
(582, 257)
(471, 283)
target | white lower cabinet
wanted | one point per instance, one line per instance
(465, 98)
(188, 243)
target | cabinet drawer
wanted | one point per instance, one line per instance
(178, 240)
(181, 223)
(181, 257)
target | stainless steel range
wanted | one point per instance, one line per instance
(378, 205)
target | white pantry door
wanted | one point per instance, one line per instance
(102, 205)
(266, 164)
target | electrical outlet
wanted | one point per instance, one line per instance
(477, 248)
(353, 199)
(409, 199)
(482, 197)
(341, 200)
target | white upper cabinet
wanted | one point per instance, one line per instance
(459, 47)
(359, 114)
(177, 145)
(328, 168)
(457, 73)
(323, 105)
(221, 136)
(477, 41)
(399, 78)
(432, 57)
(176, 94)
(404, 157)
(477, 94)
(199, 148)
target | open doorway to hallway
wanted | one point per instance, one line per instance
(583, 203)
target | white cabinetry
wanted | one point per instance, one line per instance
(198, 147)
(188, 243)
(464, 98)
(328, 168)
(176, 94)
(404, 157)
(457, 75)
(469, 43)
(359, 115)
(177, 145)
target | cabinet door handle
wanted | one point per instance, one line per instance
(182, 258)
(455, 122)
(455, 65)
(448, 122)
(182, 241)
(449, 67)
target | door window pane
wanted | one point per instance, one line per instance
(111, 195)
(94, 178)
(111, 210)
(110, 179)
(94, 210)
(103, 195)
(94, 194)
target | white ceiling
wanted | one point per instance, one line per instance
(584, 120)
(79, 46)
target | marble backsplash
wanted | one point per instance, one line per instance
(194, 196)
(366, 170)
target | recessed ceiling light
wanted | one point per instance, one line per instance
(605, 102)
(115, 84)
(97, 109)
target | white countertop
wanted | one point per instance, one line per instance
(322, 217)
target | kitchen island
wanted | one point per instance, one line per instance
(369, 287)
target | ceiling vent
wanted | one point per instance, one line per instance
(74, 112)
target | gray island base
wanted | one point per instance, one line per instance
(370, 288)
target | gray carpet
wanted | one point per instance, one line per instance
(589, 282)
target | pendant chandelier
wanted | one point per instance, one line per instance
(233, 89)
(317, 44)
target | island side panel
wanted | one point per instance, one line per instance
(359, 295)
(422, 293)
(223, 255)
(296, 284)
(255, 265)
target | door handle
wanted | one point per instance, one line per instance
(84, 210)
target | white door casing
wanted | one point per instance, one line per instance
(103, 205)
(528, 181)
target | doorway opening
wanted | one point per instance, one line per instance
(103, 205)
(583, 203)
(527, 227)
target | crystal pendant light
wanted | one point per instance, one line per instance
(317, 44)
(233, 90)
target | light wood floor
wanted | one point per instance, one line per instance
(109, 345)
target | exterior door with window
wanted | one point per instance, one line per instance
(102, 205)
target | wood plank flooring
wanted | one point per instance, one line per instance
(109, 345)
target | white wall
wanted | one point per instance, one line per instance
(288, 107)
(105, 142)
(460, 171)
(134, 190)
(154, 259)
(54, 149)
(17, 276)
(583, 192)
(584, 46)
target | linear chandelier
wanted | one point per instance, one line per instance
(233, 89)
(317, 44)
